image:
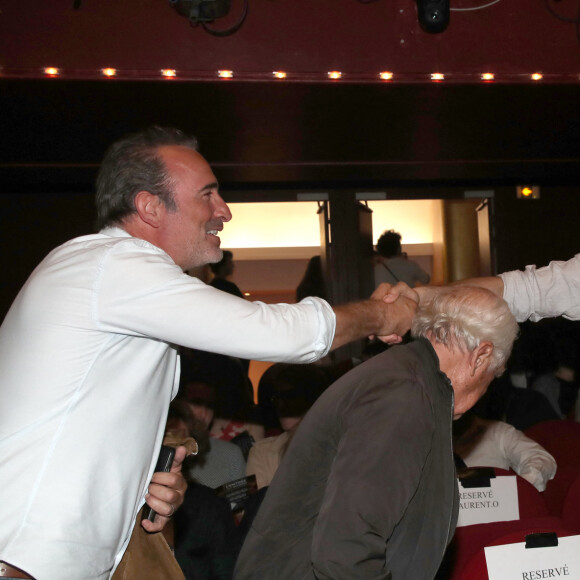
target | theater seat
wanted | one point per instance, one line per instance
(571, 509)
(562, 440)
(468, 541)
(531, 502)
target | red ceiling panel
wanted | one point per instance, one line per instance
(306, 38)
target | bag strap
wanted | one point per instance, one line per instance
(391, 272)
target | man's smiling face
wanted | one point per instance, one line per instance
(191, 231)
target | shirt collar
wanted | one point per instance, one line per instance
(115, 232)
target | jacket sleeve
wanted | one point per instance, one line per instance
(378, 465)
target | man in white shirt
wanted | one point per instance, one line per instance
(88, 362)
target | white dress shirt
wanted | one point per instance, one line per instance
(87, 370)
(553, 290)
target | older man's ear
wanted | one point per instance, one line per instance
(481, 357)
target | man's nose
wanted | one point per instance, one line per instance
(222, 210)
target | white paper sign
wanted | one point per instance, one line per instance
(514, 562)
(481, 505)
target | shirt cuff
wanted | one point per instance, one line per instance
(326, 325)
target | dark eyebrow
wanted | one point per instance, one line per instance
(209, 187)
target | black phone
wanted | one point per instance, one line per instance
(164, 463)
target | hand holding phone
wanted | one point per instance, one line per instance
(166, 456)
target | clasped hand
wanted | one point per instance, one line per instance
(402, 303)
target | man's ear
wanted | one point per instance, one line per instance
(480, 358)
(150, 208)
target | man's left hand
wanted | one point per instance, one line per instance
(166, 493)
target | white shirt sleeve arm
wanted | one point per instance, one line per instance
(526, 457)
(537, 293)
(142, 292)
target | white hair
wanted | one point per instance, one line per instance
(466, 316)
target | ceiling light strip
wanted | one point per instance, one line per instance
(289, 76)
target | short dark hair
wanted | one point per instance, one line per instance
(217, 266)
(133, 164)
(294, 388)
(389, 244)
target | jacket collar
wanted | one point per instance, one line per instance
(429, 351)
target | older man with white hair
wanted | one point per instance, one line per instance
(367, 488)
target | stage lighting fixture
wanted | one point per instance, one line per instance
(201, 10)
(433, 15)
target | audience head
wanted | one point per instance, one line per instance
(131, 165)
(472, 331)
(294, 388)
(225, 267)
(389, 244)
(313, 282)
(181, 422)
(200, 398)
(234, 392)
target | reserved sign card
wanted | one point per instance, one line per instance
(515, 562)
(497, 503)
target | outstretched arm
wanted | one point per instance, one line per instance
(492, 283)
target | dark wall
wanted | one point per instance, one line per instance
(30, 226)
(55, 132)
(536, 231)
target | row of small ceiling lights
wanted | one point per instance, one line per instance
(333, 75)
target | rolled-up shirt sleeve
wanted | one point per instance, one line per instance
(537, 293)
(142, 292)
